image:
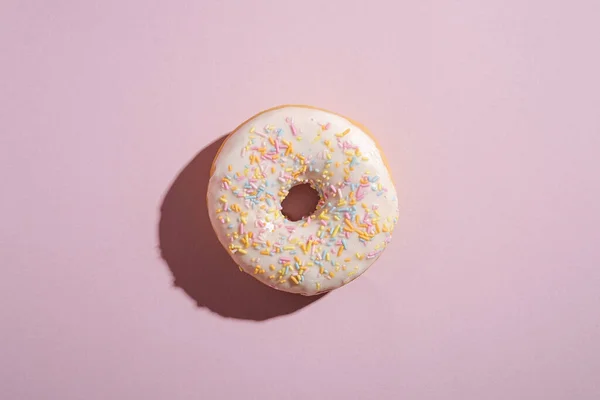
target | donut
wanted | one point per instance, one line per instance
(277, 149)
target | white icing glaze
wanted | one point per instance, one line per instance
(276, 150)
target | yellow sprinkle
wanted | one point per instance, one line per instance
(336, 230)
(288, 247)
(377, 228)
(331, 274)
(347, 259)
(318, 286)
(242, 251)
(222, 199)
(272, 277)
(297, 259)
(321, 270)
(340, 251)
(364, 236)
(272, 267)
(323, 216)
(327, 257)
(343, 133)
(230, 167)
(265, 252)
(293, 278)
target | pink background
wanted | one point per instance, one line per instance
(489, 112)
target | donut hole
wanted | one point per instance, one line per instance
(301, 201)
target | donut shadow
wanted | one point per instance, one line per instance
(200, 265)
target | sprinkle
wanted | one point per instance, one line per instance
(343, 133)
(290, 121)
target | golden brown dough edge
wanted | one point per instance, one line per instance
(357, 124)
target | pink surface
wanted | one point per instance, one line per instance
(489, 114)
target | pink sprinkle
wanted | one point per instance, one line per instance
(241, 229)
(260, 134)
(225, 185)
(327, 126)
(358, 192)
(284, 260)
(308, 219)
(323, 222)
(291, 123)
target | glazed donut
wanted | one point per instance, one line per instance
(282, 147)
